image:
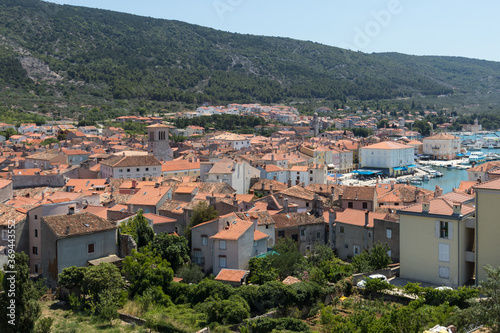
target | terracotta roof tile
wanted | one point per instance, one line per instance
(231, 275)
(357, 217)
(234, 231)
(77, 224)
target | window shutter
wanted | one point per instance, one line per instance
(450, 230)
(437, 228)
(444, 252)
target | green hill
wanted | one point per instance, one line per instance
(100, 54)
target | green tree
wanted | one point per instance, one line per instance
(49, 141)
(146, 269)
(374, 259)
(288, 260)
(190, 273)
(172, 248)
(138, 227)
(261, 270)
(202, 212)
(19, 303)
(486, 311)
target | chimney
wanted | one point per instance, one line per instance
(71, 210)
(367, 215)
(425, 206)
(420, 197)
(392, 184)
(134, 183)
(285, 205)
(262, 185)
(438, 191)
(67, 230)
(255, 221)
(271, 189)
(275, 177)
(289, 182)
(457, 208)
(235, 201)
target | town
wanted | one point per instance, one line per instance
(352, 185)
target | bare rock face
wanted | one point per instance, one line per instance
(38, 70)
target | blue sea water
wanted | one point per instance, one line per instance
(452, 177)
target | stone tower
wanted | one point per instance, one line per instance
(158, 142)
(315, 124)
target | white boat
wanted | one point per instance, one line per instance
(477, 157)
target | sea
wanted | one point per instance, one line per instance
(452, 177)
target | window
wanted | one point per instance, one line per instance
(36, 268)
(137, 169)
(222, 262)
(310, 179)
(91, 248)
(5, 234)
(365, 205)
(302, 232)
(444, 272)
(36, 233)
(369, 234)
(120, 170)
(341, 230)
(295, 237)
(311, 172)
(128, 170)
(346, 246)
(36, 217)
(318, 235)
(197, 257)
(356, 250)
(388, 233)
(35, 250)
(444, 252)
(204, 240)
(307, 204)
(350, 204)
(147, 169)
(222, 245)
(281, 233)
(444, 229)
(389, 253)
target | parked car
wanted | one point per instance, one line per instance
(442, 288)
(362, 283)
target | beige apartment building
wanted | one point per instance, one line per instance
(437, 241)
(487, 227)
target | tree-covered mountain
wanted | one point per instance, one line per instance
(66, 50)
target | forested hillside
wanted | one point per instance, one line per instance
(112, 55)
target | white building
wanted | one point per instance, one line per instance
(235, 141)
(120, 166)
(442, 146)
(236, 175)
(389, 155)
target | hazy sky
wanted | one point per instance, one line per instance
(423, 27)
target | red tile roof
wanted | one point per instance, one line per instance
(231, 275)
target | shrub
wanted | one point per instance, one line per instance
(208, 287)
(44, 325)
(377, 285)
(267, 325)
(231, 311)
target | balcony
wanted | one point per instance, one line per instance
(435, 147)
(470, 223)
(470, 256)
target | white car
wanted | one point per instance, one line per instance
(362, 283)
(442, 288)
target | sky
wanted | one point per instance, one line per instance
(423, 27)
